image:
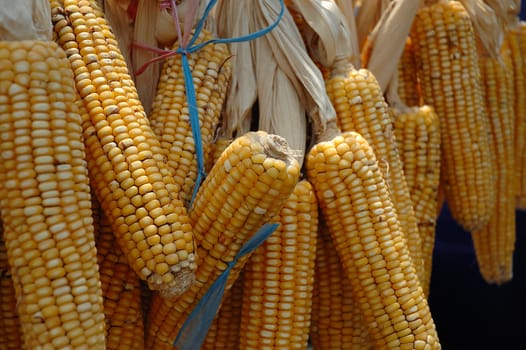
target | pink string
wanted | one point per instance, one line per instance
(184, 35)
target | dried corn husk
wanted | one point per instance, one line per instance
(488, 28)
(116, 13)
(278, 88)
(368, 13)
(233, 21)
(292, 58)
(189, 12)
(328, 34)
(385, 43)
(25, 20)
(144, 34)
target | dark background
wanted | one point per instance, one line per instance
(469, 313)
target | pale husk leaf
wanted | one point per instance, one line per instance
(488, 29)
(144, 34)
(25, 20)
(233, 21)
(328, 33)
(280, 109)
(367, 15)
(388, 37)
(117, 16)
(292, 57)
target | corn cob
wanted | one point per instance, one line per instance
(513, 49)
(279, 277)
(417, 135)
(495, 242)
(245, 188)
(361, 107)
(46, 202)
(10, 331)
(120, 290)
(408, 85)
(337, 322)
(363, 225)
(224, 331)
(170, 116)
(446, 57)
(126, 165)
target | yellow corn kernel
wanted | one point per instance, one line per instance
(245, 188)
(170, 117)
(417, 135)
(513, 49)
(336, 319)
(126, 166)
(279, 277)
(121, 289)
(46, 200)
(446, 57)
(494, 243)
(363, 224)
(360, 107)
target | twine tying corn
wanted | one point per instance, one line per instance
(185, 48)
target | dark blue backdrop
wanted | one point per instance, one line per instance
(469, 313)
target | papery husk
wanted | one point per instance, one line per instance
(385, 43)
(368, 13)
(233, 21)
(505, 10)
(144, 34)
(116, 13)
(293, 58)
(280, 110)
(328, 33)
(189, 13)
(488, 28)
(25, 20)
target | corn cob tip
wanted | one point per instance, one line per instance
(183, 275)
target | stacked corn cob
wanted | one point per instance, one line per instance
(72, 108)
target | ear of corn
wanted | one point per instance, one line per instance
(245, 188)
(337, 322)
(126, 165)
(45, 200)
(279, 277)
(513, 48)
(224, 330)
(417, 134)
(408, 85)
(494, 243)
(446, 56)
(361, 107)
(364, 227)
(121, 290)
(10, 330)
(170, 117)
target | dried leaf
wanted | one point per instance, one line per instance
(25, 20)
(292, 57)
(386, 41)
(233, 21)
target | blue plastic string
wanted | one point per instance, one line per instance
(195, 327)
(189, 85)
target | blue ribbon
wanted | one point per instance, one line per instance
(194, 330)
(189, 85)
(195, 327)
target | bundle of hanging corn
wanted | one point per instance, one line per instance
(230, 147)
